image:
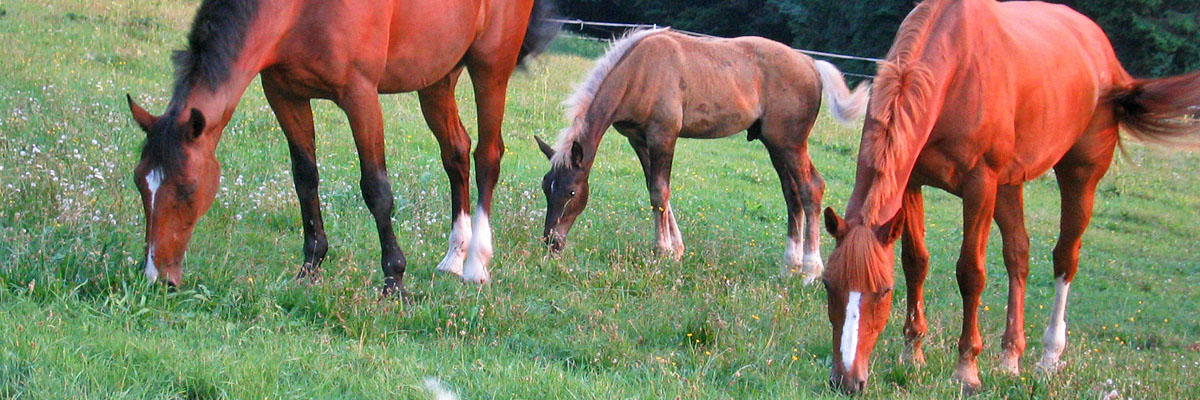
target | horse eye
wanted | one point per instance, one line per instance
(572, 193)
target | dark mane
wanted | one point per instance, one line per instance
(214, 43)
(216, 39)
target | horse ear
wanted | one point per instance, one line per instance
(891, 230)
(143, 118)
(834, 224)
(576, 155)
(546, 149)
(197, 123)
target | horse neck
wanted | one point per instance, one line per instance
(218, 102)
(893, 137)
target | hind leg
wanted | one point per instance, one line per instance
(490, 80)
(786, 140)
(295, 117)
(441, 114)
(802, 254)
(1010, 216)
(1077, 184)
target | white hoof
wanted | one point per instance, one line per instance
(1010, 364)
(475, 271)
(1049, 364)
(453, 263)
(460, 236)
(813, 267)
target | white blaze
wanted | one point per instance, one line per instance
(151, 271)
(1055, 339)
(153, 181)
(850, 330)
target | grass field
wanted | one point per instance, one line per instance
(606, 320)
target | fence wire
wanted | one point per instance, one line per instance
(582, 24)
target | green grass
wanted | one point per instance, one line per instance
(607, 320)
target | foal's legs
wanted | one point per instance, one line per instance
(1077, 184)
(490, 81)
(656, 150)
(295, 117)
(361, 104)
(915, 259)
(1010, 216)
(441, 113)
(802, 191)
(979, 200)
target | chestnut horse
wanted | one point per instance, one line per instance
(348, 52)
(656, 86)
(977, 97)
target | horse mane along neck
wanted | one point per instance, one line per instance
(860, 262)
(901, 93)
(581, 100)
(214, 44)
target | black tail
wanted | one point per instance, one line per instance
(541, 30)
(1164, 111)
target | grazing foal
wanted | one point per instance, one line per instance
(976, 98)
(656, 86)
(349, 52)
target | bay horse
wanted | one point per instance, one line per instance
(349, 52)
(977, 97)
(655, 86)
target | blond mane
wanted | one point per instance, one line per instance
(900, 94)
(581, 100)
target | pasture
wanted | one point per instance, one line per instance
(609, 319)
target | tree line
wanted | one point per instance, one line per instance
(1151, 37)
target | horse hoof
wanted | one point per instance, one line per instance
(392, 288)
(309, 272)
(451, 266)
(1010, 365)
(475, 272)
(813, 267)
(968, 377)
(1049, 365)
(913, 357)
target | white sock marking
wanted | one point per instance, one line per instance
(480, 251)
(850, 330)
(460, 238)
(1055, 339)
(793, 255)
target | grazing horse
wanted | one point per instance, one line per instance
(655, 86)
(977, 97)
(348, 52)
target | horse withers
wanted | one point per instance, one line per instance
(348, 52)
(655, 86)
(977, 97)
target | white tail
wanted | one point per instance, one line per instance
(439, 390)
(845, 105)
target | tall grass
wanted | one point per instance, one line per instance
(607, 320)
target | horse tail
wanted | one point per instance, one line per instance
(1164, 110)
(846, 106)
(540, 32)
(584, 119)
